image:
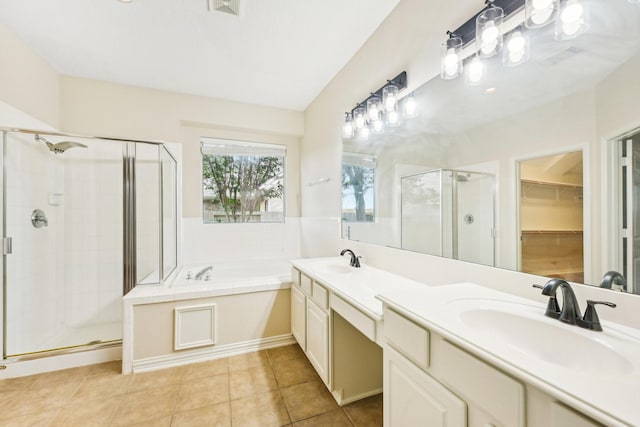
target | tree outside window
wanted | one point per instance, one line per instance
(242, 182)
(358, 188)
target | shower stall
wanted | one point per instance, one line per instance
(449, 213)
(84, 221)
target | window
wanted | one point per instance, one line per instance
(358, 187)
(242, 181)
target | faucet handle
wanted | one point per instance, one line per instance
(553, 308)
(591, 319)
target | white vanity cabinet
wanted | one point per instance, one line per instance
(318, 339)
(310, 321)
(430, 381)
(413, 398)
(299, 317)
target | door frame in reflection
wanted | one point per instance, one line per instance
(586, 205)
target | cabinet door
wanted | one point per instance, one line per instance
(413, 398)
(562, 416)
(298, 317)
(318, 339)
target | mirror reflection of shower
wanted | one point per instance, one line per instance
(60, 147)
(449, 213)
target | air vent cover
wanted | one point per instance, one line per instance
(227, 6)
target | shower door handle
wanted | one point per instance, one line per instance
(7, 246)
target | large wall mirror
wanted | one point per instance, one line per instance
(535, 169)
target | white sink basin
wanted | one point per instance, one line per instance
(525, 329)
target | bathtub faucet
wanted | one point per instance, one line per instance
(202, 272)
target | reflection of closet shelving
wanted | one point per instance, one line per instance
(552, 235)
(550, 190)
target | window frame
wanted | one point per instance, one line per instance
(246, 144)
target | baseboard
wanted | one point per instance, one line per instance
(338, 396)
(21, 368)
(210, 353)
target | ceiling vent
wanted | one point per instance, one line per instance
(231, 7)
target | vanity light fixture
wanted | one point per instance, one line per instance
(489, 30)
(539, 13)
(573, 20)
(347, 127)
(485, 29)
(475, 71)
(379, 111)
(451, 62)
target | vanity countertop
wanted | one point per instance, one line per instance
(359, 286)
(598, 373)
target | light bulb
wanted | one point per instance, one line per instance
(373, 108)
(364, 132)
(360, 118)
(393, 119)
(490, 33)
(516, 42)
(410, 106)
(541, 16)
(475, 71)
(572, 12)
(347, 128)
(516, 56)
(378, 126)
(451, 59)
(390, 103)
(488, 47)
(541, 4)
(390, 97)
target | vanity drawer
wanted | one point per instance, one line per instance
(295, 276)
(320, 295)
(358, 319)
(482, 385)
(407, 337)
(305, 284)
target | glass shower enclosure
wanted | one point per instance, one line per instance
(84, 220)
(449, 213)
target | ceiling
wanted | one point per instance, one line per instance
(275, 53)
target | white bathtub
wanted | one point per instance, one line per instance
(235, 274)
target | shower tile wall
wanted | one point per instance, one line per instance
(68, 274)
(93, 244)
(36, 266)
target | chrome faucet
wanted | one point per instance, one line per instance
(355, 260)
(202, 272)
(570, 312)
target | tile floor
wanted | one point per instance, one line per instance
(276, 387)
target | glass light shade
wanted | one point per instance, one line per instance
(347, 127)
(364, 132)
(573, 19)
(475, 71)
(516, 50)
(360, 117)
(539, 13)
(451, 60)
(390, 97)
(489, 31)
(410, 106)
(374, 108)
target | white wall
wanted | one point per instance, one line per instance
(27, 82)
